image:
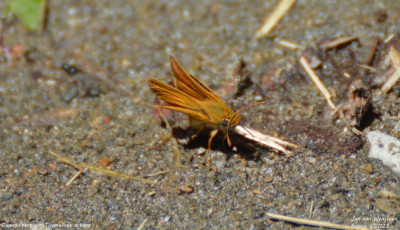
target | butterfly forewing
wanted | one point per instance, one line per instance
(191, 85)
(178, 100)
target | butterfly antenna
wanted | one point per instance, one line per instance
(247, 106)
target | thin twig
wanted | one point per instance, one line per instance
(351, 128)
(314, 77)
(346, 74)
(397, 125)
(66, 160)
(337, 42)
(141, 226)
(388, 38)
(394, 56)
(281, 9)
(75, 176)
(337, 110)
(81, 166)
(156, 174)
(370, 68)
(266, 140)
(317, 223)
(395, 76)
(288, 44)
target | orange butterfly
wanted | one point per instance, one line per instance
(191, 96)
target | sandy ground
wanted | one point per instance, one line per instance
(79, 89)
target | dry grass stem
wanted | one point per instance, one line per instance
(395, 76)
(311, 209)
(75, 176)
(397, 125)
(323, 224)
(156, 174)
(81, 166)
(348, 126)
(388, 38)
(370, 68)
(394, 56)
(288, 44)
(314, 77)
(337, 42)
(281, 9)
(141, 226)
(266, 140)
(66, 160)
(346, 75)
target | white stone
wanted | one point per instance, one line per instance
(385, 148)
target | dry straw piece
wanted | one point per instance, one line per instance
(314, 77)
(288, 44)
(278, 13)
(316, 223)
(337, 42)
(395, 76)
(141, 226)
(82, 167)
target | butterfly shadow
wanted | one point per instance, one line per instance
(240, 145)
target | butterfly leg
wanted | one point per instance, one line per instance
(196, 125)
(228, 139)
(212, 135)
(196, 134)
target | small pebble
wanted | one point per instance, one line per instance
(268, 179)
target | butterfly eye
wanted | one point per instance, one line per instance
(225, 122)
